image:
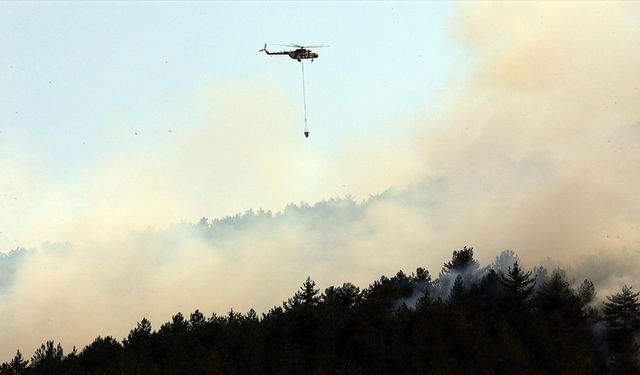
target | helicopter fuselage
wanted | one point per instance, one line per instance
(298, 54)
(303, 53)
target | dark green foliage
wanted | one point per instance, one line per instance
(461, 260)
(518, 285)
(139, 335)
(489, 323)
(306, 296)
(47, 358)
(564, 327)
(344, 297)
(422, 275)
(197, 319)
(586, 292)
(16, 366)
(622, 312)
(458, 293)
(490, 291)
(102, 350)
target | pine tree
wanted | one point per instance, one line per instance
(586, 292)
(566, 346)
(17, 365)
(518, 284)
(197, 319)
(622, 311)
(178, 324)
(252, 316)
(139, 334)
(490, 288)
(461, 260)
(97, 354)
(422, 275)
(461, 265)
(48, 357)
(458, 293)
(345, 296)
(306, 296)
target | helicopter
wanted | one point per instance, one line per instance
(300, 53)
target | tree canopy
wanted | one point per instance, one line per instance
(500, 319)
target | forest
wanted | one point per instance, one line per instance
(498, 319)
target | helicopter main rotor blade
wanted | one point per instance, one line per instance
(299, 46)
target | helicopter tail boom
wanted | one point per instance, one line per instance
(272, 53)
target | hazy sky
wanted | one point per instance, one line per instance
(496, 125)
(78, 80)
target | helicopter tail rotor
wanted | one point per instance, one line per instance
(264, 48)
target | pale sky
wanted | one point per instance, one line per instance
(71, 69)
(78, 80)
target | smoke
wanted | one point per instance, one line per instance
(470, 274)
(75, 292)
(535, 148)
(539, 150)
(9, 263)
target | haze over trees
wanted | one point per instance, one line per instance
(497, 319)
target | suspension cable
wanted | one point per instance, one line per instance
(304, 100)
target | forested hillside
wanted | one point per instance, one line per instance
(498, 319)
